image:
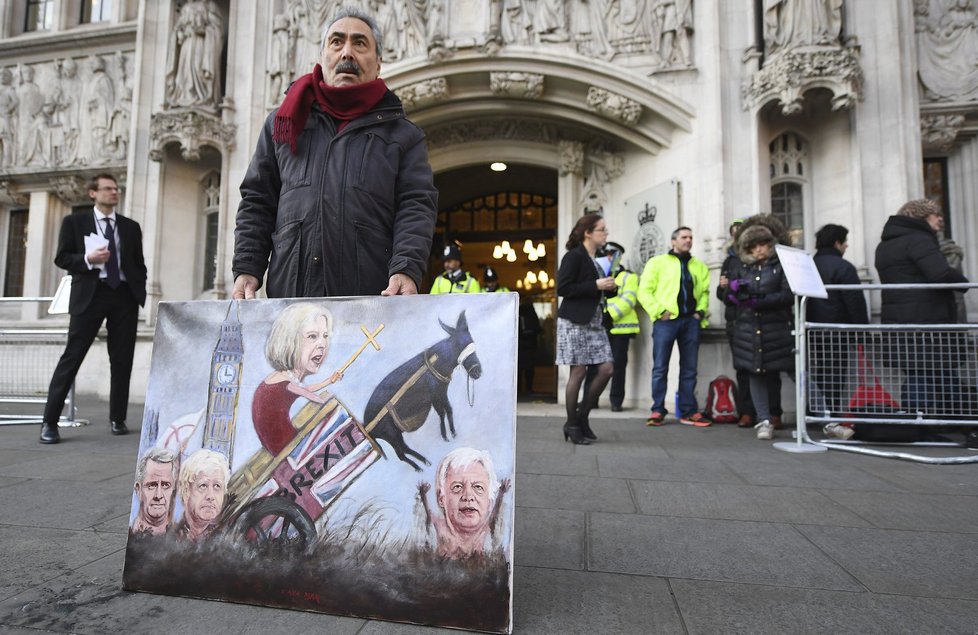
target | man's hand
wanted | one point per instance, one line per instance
(665, 316)
(98, 256)
(245, 287)
(400, 284)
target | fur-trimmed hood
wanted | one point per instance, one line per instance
(750, 237)
(772, 224)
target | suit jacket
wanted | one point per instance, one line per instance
(577, 284)
(84, 281)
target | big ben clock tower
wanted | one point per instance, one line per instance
(225, 384)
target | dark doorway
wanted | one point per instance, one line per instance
(507, 220)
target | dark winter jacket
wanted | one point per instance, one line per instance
(577, 279)
(344, 213)
(762, 339)
(909, 253)
(841, 307)
(730, 263)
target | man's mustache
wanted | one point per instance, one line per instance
(348, 66)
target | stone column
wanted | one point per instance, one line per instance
(570, 186)
(962, 168)
(44, 221)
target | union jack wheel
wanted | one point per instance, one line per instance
(275, 520)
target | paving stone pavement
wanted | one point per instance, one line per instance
(665, 530)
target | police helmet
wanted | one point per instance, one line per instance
(451, 252)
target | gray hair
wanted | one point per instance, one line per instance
(460, 458)
(158, 455)
(363, 16)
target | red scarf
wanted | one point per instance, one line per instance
(343, 103)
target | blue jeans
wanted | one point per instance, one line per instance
(665, 333)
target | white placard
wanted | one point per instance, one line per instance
(802, 273)
(59, 305)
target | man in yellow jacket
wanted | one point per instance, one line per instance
(674, 291)
(624, 322)
(455, 279)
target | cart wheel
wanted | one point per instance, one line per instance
(275, 519)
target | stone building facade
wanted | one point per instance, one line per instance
(658, 112)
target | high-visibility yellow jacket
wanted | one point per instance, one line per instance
(658, 288)
(621, 308)
(466, 284)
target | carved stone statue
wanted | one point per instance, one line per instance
(65, 119)
(791, 23)
(598, 28)
(407, 25)
(280, 63)
(29, 114)
(194, 64)
(99, 104)
(9, 103)
(947, 49)
(675, 21)
(550, 21)
(306, 21)
(515, 24)
(119, 129)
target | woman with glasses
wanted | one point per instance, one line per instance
(582, 340)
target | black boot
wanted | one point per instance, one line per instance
(585, 425)
(574, 434)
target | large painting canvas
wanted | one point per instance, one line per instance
(352, 456)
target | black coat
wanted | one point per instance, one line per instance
(71, 257)
(762, 339)
(577, 284)
(909, 253)
(730, 263)
(841, 307)
(344, 213)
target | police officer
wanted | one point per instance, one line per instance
(624, 322)
(490, 282)
(455, 279)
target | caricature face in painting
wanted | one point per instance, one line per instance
(155, 492)
(206, 496)
(203, 480)
(156, 480)
(299, 339)
(465, 497)
(313, 345)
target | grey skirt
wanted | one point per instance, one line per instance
(582, 344)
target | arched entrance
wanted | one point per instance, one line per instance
(484, 210)
(581, 121)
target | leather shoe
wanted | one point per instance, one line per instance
(119, 427)
(49, 433)
(616, 408)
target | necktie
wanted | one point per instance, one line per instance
(112, 264)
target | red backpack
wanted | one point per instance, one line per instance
(721, 400)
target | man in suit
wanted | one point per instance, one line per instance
(108, 283)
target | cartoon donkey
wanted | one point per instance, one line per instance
(402, 401)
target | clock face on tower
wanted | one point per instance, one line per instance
(226, 373)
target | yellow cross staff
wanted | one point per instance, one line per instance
(370, 340)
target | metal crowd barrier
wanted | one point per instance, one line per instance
(27, 360)
(906, 377)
